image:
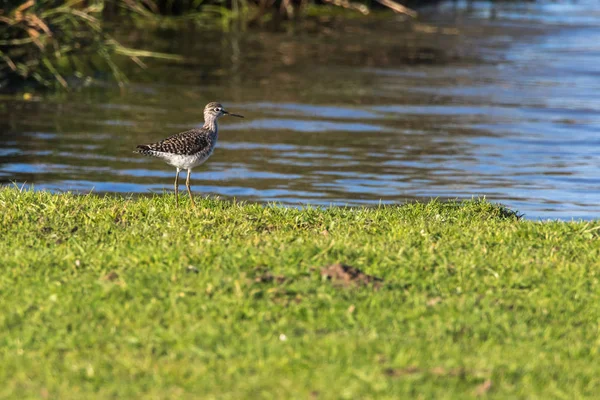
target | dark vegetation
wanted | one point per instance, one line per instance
(47, 40)
(51, 42)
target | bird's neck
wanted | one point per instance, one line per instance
(210, 123)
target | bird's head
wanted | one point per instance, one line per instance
(214, 110)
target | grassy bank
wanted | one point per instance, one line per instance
(106, 297)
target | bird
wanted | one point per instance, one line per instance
(189, 149)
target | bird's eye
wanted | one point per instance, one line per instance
(218, 109)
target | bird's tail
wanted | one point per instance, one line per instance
(143, 149)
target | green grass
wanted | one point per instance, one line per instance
(99, 300)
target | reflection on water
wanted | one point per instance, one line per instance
(501, 101)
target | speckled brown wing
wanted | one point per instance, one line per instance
(184, 143)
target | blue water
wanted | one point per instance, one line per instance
(482, 99)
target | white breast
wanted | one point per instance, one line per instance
(185, 161)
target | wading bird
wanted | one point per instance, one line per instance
(189, 149)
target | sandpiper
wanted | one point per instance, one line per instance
(189, 149)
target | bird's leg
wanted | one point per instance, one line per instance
(177, 188)
(187, 185)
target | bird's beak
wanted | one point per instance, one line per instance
(233, 115)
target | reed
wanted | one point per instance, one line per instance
(60, 44)
(45, 41)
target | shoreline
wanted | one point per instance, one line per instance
(134, 298)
